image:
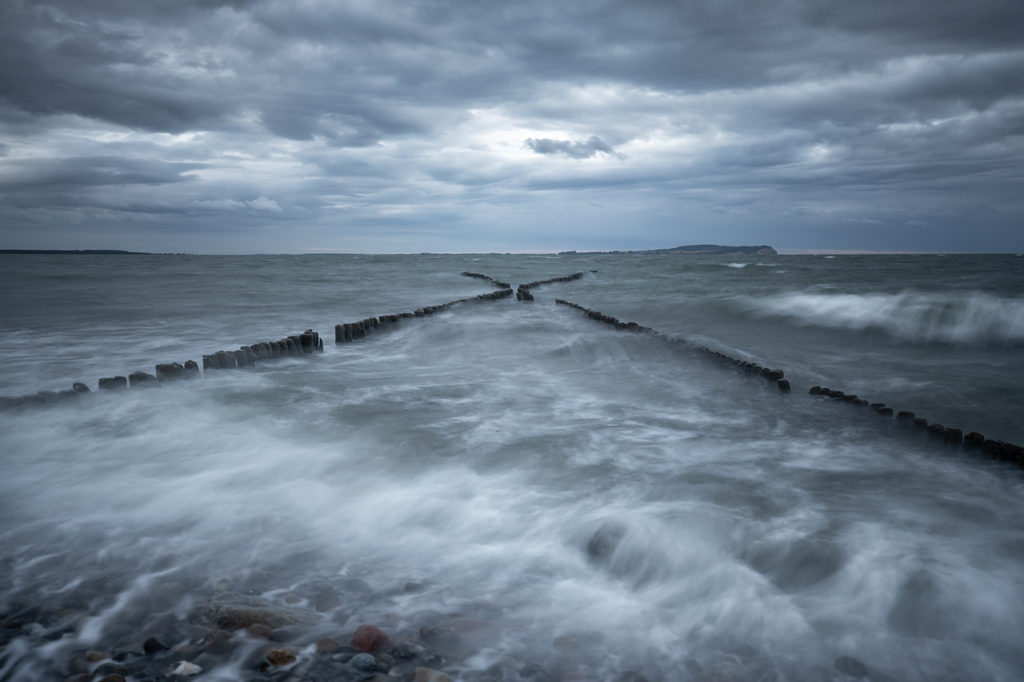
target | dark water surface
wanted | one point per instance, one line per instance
(571, 495)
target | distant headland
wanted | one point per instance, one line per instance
(696, 249)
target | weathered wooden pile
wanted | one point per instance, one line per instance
(351, 331)
(973, 441)
(497, 283)
(306, 343)
(297, 345)
(523, 290)
(774, 375)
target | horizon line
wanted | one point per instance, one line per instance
(561, 252)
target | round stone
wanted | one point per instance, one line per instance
(281, 657)
(365, 663)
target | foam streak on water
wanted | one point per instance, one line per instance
(588, 499)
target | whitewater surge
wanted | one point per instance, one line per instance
(519, 490)
(949, 317)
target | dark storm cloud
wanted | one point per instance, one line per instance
(51, 63)
(574, 150)
(51, 174)
(344, 117)
(982, 24)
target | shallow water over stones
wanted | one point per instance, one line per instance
(506, 490)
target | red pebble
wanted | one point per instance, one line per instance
(370, 639)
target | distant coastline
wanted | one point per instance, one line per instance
(84, 252)
(692, 249)
(695, 249)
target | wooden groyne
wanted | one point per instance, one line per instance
(348, 332)
(971, 442)
(776, 376)
(309, 342)
(297, 345)
(523, 290)
(553, 280)
(496, 283)
(306, 343)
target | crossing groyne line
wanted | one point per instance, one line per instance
(309, 343)
(953, 436)
(973, 441)
(553, 280)
(776, 376)
(523, 290)
(348, 332)
(494, 282)
(296, 345)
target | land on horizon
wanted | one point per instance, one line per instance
(693, 249)
(689, 249)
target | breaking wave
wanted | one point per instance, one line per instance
(970, 317)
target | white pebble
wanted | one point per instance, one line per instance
(186, 669)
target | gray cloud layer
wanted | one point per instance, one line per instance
(460, 125)
(574, 150)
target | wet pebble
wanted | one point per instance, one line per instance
(153, 645)
(365, 663)
(111, 669)
(280, 657)
(126, 656)
(444, 639)
(327, 602)
(408, 650)
(326, 645)
(370, 638)
(213, 642)
(232, 611)
(260, 631)
(430, 675)
(185, 669)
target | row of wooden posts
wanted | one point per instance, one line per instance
(973, 441)
(774, 375)
(309, 342)
(351, 331)
(290, 346)
(296, 345)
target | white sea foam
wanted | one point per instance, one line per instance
(477, 452)
(969, 317)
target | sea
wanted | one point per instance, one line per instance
(513, 490)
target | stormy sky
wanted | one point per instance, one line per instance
(220, 126)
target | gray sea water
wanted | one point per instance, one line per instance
(460, 469)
